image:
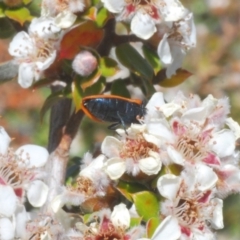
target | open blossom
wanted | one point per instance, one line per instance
(180, 37)
(144, 15)
(108, 225)
(36, 51)
(136, 153)
(62, 11)
(190, 207)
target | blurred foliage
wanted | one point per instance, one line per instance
(215, 68)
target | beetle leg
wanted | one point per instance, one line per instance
(113, 126)
(122, 122)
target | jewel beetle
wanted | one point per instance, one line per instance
(114, 109)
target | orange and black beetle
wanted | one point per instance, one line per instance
(114, 109)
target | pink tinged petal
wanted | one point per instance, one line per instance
(4, 141)
(8, 201)
(223, 143)
(217, 217)
(65, 19)
(205, 177)
(37, 193)
(26, 74)
(120, 216)
(143, 26)
(115, 168)
(212, 159)
(111, 146)
(21, 217)
(168, 229)
(168, 186)
(114, 6)
(19, 192)
(175, 156)
(164, 51)
(36, 155)
(150, 165)
(6, 229)
(21, 46)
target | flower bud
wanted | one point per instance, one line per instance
(84, 63)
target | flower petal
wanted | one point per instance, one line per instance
(26, 74)
(150, 165)
(36, 155)
(115, 168)
(143, 26)
(164, 51)
(8, 201)
(120, 216)
(114, 6)
(223, 143)
(168, 186)
(65, 19)
(21, 217)
(6, 229)
(217, 218)
(4, 141)
(168, 229)
(175, 156)
(110, 146)
(37, 193)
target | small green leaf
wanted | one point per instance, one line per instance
(152, 58)
(50, 101)
(20, 15)
(135, 222)
(2, 9)
(147, 204)
(34, 8)
(7, 30)
(131, 59)
(102, 17)
(77, 94)
(151, 226)
(127, 189)
(119, 88)
(96, 88)
(26, 1)
(91, 13)
(108, 66)
(180, 76)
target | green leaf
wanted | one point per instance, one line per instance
(108, 66)
(102, 17)
(96, 88)
(2, 9)
(127, 189)
(34, 8)
(26, 1)
(7, 30)
(152, 58)
(151, 226)
(135, 221)
(147, 204)
(91, 13)
(50, 101)
(77, 94)
(119, 88)
(180, 76)
(20, 15)
(131, 59)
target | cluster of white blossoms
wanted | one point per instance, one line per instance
(192, 138)
(164, 17)
(21, 176)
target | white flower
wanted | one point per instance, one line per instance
(62, 11)
(189, 207)
(36, 51)
(19, 172)
(4, 141)
(191, 129)
(144, 15)
(137, 152)
(174, 44)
